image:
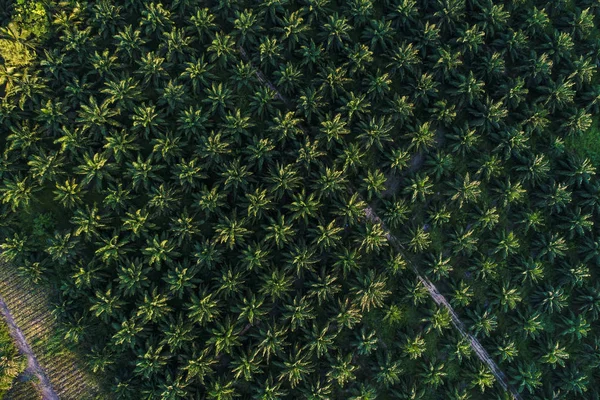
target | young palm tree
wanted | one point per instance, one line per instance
(295, 367)
(370, 290)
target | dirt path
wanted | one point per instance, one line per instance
(32, 364)
(435, 294)
(441, 301)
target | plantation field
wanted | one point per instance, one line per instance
(312, 199)
(31, 307)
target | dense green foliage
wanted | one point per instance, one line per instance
(193, 176)
(11, 362)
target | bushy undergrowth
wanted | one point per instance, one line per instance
(11, 362)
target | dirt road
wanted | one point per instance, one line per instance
(439, 299)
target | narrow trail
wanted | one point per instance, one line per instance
(441, 301)
(433, 291)
(33, 365)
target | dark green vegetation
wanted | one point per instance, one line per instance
(588, 143)
(11, 362)
(192, 177)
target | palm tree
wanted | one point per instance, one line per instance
(198, 73)
(62, 248)
(277, 284)
(231, 231)
(106, 305)
(221, 389)
(219, 97)
(483, 379)
(279, 231)
(370, 290)
(203, 308)
(88, 222)
(320, 341)
(298, 313)
(132, 277)
(379, 33)
(199, 366)
(327, 236)
(550, 299)
(289, 78)
(325, 287)
(375, 131)
(17, 192)
(222, 49)
(526, 376)
(271, 340)
(181, 279)
(154, 307)
(471, 39)
(95, 168)
(484, 321)
(269, 390)
(283, 179)
(433, 373)
(293, 28)
(123, 92)
(235, 176)
(343, 370)
(296, 366)
(246, 366)
(351, 209)
(396, 212)
(130, 42)
(224, 338)
(438, 266)
(128, 333)
(555, 355)
(462, 294)
(574, 380)
(468, 89)
(203, 22)
(419, 240)
(426, 88)
(506, 349)
(301, 258)
(576, 327)
(419, 187)
(335, 31)
(464, 190)
(422, 137)
(251, 310)
(333, 129)
(373, 238)
(270, 53)
(414, 348)
(531, 322)
(330, 182)
(121, 144)
(160, 250)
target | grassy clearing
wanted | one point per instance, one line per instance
(588, 144)
(31, 309)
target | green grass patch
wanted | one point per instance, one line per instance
(12, 364)
(587, 144)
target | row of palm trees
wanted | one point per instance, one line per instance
(209, 234)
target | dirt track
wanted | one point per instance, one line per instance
(33, 366)
(440, 300)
